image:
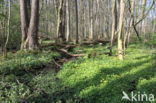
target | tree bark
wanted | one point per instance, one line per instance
(68, 20)
(8, 33)
(114, 24)
(77, 24)
(33, 26)
(120, 47)
(61, 22)
(97, 20)
(131, 21)
(142, 14)
(24, 21)
(91, 35)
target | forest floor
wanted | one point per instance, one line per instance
(46, 76)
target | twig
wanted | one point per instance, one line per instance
(56, 63)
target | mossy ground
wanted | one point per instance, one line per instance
(96, 79)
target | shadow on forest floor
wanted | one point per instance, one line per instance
(106, 85)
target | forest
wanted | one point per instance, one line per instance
(77, 51)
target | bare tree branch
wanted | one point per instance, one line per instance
(145, 14)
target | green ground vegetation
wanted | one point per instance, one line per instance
(95, 78)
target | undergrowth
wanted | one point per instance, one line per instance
(24, 75)
(95, 78)
(102, 79)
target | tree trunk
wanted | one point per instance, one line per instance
(33, 27)
(142, 14)
(131, 21)
(120, 47)
(68, 20)
(97, 20)
(24, 21)
(8, 33)
(114, 24)
(91, 35)
(61, 22)
(77, 25)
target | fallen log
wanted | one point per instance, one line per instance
(53, 44)
(63, 52)
(65, 46)
(70, 46)
(79, 55)
(94, 42)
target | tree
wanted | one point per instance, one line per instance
(24, 22)
(8, 29)
(33, 26)
(97, 20)
(3, 18)
(82, 33)
(29, 29)
(68, 20)
(61, 22)
(143, 12)
(77, 23)
(131, 22)
(114, 24)
(91, 35)
(120, 47)
(129, 25)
